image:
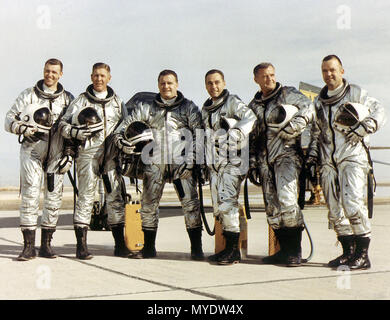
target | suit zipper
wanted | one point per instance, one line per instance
(166, 152)
(334, 146)
(266, 137)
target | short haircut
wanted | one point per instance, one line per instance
(55, 62)
(332, 56)
(101, 65)
(263, 65)
(167, 72)
(212, 71)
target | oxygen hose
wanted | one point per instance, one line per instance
(311, 244)
(246, 200)
(212, 233)
(75, 191)
(306, 228)
(201, 207)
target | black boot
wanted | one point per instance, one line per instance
(82, 249)
(149, 249)
(28, 252)
(45, 251)
(360, 261)
(232, 253)
(279, 257)
(293, 243)
(120, 249)
(215, 257)
(195, 235)
(348, 244)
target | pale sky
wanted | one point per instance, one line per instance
(138, 39)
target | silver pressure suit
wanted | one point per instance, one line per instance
(227, 168)
(92, 154)
(37, 158)
(279, 159)
(173, 150)
(344, 165)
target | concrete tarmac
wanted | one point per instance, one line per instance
(173, 276)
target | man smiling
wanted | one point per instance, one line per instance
(101, 105)
(40, 147)
(346, 116)
(276, 154)
(170, 116)
(225, 175)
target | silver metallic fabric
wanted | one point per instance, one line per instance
(173, 150)
(226, 175)
(344, 166)
(33, 155)
(91, 153)
(278, 159)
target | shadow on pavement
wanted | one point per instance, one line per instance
(66, 219)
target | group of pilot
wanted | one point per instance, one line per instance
(174, 141)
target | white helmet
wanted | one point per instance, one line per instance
(281, 115)
(348, 115)
(88, 118)
(235, 141)
(139, 135)
(37, 116)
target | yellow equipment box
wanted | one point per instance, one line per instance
(134, 236)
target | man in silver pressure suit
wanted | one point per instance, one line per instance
(173, 121)
(34, 117)
(89, 120)
(276, 158)
(227, 122)
(346, 116)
